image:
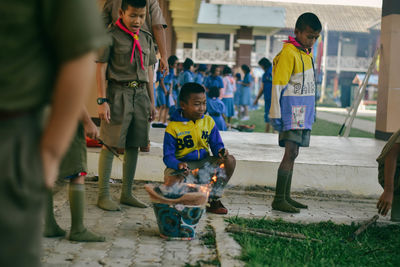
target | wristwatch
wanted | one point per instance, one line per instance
(101, 100)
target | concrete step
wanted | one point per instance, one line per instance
(329, 164)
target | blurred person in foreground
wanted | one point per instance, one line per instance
(45, 58)
(389, 176)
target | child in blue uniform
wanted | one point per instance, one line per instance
(164, 90)
(188, 140)
(245, 92)
(214, 80)
(215, 108)
(265, 88)
(228, 94)
(236, 96)
(200, 74)
(186, 76)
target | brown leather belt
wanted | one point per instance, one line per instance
(130, 84)
(8, 114)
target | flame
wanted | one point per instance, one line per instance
(214, 178)
(195, 171)
(201, 188)
(222, 166)
(204, 189)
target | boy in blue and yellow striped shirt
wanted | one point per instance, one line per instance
(188, 139)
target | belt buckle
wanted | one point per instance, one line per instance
(133, 84)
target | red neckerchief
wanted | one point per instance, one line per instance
(136, 43)
(294, 42)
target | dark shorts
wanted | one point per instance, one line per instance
(130, 113)
(22, 191)
(75, 160)
(300, 137)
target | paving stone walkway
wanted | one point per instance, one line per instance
(133, 237)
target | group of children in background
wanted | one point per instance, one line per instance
(229, 96)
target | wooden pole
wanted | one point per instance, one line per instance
(234, 228)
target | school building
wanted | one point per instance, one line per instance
(235, 32)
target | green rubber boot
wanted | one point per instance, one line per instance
(104, 200)
(51, 228)
(77, 206)
(279, 202)
(129, 169)
(291, 201)
(395, 214)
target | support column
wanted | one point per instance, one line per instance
(339, 54)
(245, 41)
(324, 63)
(194, 46)
(267, 45)
(231, 40)
(388, 107)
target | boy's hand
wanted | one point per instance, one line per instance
(104, 112)
(255, 103)
(385, 203)
(184, 166)
(164, 66)
(223, 153)
(91, 130)
(277, 124)
(152, 113)
(50, 168)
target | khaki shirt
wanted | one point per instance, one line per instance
(153, 14)
(36, 38)
(118, 56)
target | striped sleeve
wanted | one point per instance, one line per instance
(169, 149)
(281, 73)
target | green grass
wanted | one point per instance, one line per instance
(320, 127)
(367, 118)
(377, 246)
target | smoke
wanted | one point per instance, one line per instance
(210, 175)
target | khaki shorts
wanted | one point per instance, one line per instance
(75, 160)
(22, 191)
(130, 113)
(300, 137)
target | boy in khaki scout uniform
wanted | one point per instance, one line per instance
(125, 107)
(154, 24)
(74, 168)
(45, 56)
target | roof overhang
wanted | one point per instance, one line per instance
(190, 17)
